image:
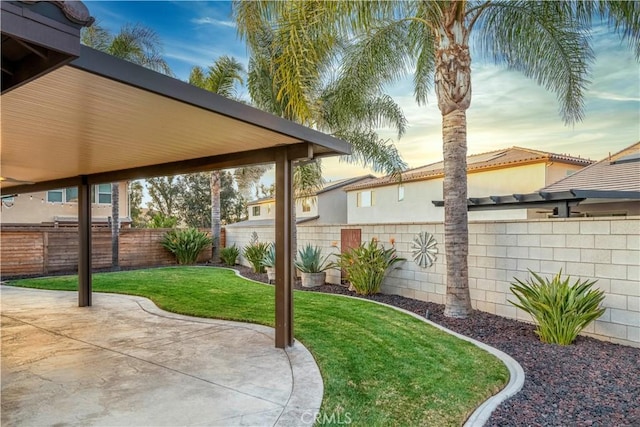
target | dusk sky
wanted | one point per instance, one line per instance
(507, 108)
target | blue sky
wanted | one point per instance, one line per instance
(507, 109)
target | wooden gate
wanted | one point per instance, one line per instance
(349, 238)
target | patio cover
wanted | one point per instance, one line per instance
(99, 119)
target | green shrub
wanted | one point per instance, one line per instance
(254, 253)
(186, 244)
(159, 220)
(269, 259)
(367, 265)
(230, 255)
(310, 260)
(559, 309)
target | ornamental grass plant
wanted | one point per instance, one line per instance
(255, 252)
(367, 265)
(229, 255)
(559, 309)
(186, 244)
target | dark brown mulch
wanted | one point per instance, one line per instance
(589, 383)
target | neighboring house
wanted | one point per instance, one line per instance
(610, 187)
(506, 171)
(60, 207)
(328, 206)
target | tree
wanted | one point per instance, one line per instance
(194, 194)
(165, 196)
(547, 41)
(232, 205)
(323, 103)
(142, 46)
(135, 203)
(220, 78)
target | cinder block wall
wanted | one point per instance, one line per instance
(606, 249)
(241, 236)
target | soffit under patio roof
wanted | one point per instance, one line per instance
(106, 118)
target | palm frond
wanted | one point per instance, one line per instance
(550, 47)
(369, 150)
(96, 37)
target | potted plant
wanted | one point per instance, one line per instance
(312, 266)
(269, 262)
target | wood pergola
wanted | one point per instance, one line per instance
(98, 119)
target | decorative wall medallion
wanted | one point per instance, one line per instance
(424, 249)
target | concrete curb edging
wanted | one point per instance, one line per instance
(482, 413)
(516, 374)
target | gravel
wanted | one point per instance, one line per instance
(588, 383)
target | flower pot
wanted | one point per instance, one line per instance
(271, 274)
(312, 280)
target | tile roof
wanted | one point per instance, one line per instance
(618, 172)
(477, 162)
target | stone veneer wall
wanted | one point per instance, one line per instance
(606, 249)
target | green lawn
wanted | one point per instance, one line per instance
(380, 366)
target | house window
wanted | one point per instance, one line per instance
(71, 194)
(55, 196)
(103, 193)
(366, 199)
(400, 193)
(306, 206)
(256, 211)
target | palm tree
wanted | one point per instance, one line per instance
(334, 105)
(547, 41)
(220, 78)
(142, 46)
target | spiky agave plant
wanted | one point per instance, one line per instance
(560, 310)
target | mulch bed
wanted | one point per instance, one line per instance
(589, 383)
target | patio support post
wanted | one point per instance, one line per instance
(284, 257)
(84, 247)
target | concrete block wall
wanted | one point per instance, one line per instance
(241, 236)
(606, 249)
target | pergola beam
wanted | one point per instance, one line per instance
(302, 150)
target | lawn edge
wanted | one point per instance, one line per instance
(483, 412)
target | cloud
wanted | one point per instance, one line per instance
(212, 21)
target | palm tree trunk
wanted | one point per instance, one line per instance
(215, 215)
(453, 89)
(454, 135)
(115, 226)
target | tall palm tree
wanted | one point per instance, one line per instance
(140, 45)
(546, 41)
(335, 105)
(220, 78)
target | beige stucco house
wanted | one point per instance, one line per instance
(60, 207)
(507, 171)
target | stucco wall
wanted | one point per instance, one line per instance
(332, 207)
(33, 208)
(606, 249)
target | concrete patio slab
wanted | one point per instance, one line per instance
(124, 361)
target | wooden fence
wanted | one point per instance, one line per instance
(28, 251)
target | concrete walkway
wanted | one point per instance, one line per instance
(126, 362)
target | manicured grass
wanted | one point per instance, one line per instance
(379, 366)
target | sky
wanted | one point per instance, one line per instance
(507, 109)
